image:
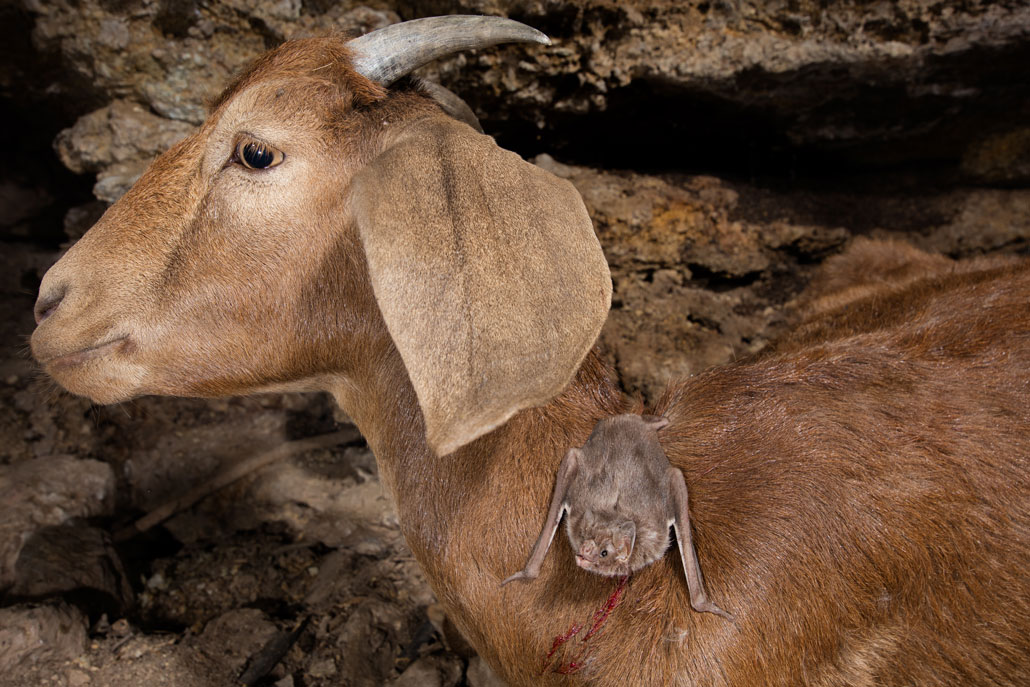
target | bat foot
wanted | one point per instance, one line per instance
(709, 607)
(520, 575)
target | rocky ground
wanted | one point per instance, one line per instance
(723, 150)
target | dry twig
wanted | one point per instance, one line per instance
(233, 473)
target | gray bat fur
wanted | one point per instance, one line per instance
(620, 495)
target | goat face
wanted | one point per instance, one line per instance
(205, 278)
(378, 222)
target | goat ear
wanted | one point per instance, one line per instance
(486, 270)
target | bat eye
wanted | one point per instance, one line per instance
(604, 553)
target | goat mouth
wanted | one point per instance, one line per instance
(82, 355)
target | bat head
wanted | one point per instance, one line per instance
(603, 542)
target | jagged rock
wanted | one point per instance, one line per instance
(48, 491)
(114, 181)
(120, 132)
(235, 636)
(73, 558)
(177, 56)
(688, 272)
(431, 671)
(982, 221)
(659, 83)
(805, 72)
(33, 636)
(700, 266)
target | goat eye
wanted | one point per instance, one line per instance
(255, 155)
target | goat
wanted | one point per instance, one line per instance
(859, 491)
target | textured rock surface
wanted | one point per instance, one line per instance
(1000, 159)
(696, 83)
(36, 637)
(117, 141)
(702, 267)
(48, 491)
(431, 671)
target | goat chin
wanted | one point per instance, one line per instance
(859, 491)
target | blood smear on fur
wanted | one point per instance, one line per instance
(600, 616)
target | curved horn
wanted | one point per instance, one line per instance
(389, 53)
(452, 104)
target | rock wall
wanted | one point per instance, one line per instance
(866, 83)
(702, 130)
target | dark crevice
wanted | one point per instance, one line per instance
(821, 125)
(175, 17)
(704, 322)
(780, 285)
(36, 101)
(719, 282)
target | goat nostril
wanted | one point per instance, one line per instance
(45, 307)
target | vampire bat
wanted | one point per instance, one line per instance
(619, 495)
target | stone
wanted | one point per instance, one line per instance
(72, 557)
(710, 81)
(114, 181)
(431, 671)
(480, 674)
(120, 132)
(31, 636)
(48, 491)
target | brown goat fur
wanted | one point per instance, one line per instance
(859, 492)
(859, 502)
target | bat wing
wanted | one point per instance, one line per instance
(559, 505)
(688, 554)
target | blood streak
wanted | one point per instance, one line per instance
(601, 614)
(598, 620)
(558, 642)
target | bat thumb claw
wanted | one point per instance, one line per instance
(709, 607)
(520, 575)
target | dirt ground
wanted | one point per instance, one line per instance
(296, 574)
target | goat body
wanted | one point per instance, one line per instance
(859, 493)
(859, 501)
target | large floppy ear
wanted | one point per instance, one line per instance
(486, 270)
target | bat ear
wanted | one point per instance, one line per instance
(655, 422)
(486, 270)
(624, 538)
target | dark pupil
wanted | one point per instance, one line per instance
(257, 156)
(604, 553)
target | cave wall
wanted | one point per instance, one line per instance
(723, 147)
